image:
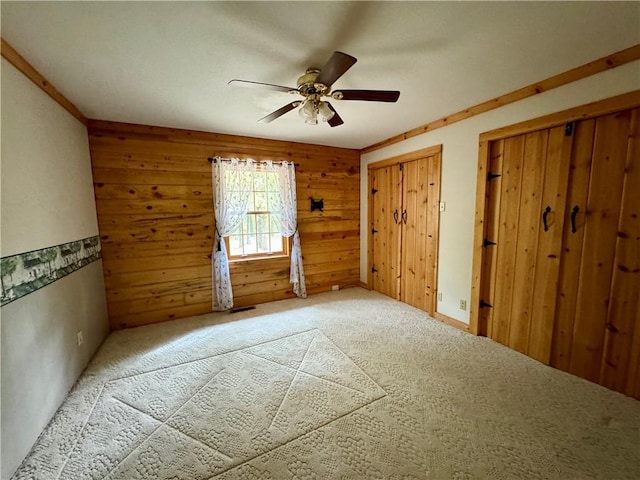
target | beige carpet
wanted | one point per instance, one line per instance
(343, 385)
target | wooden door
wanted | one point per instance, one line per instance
(404, 220)
(420, 215)
(413, 276)
(526, 206)
(565, 285)
(598, 308)
(386, 210)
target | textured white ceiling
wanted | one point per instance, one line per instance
(168, 63)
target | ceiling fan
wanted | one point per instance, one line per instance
(315, 84)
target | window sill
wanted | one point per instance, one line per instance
(250, 258)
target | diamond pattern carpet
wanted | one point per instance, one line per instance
(342, 385)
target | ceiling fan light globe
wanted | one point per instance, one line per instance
(307, 109)
(325, 113)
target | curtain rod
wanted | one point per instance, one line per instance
(215, 159)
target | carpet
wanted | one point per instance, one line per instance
(343, 385)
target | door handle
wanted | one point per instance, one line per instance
(545, 214)
(395, 216)
(574, 212)
(404, 217)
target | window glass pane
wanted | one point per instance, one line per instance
(237, 231)
(235, 245)
(276, 242)
(274, 223)
(250, 225)
(263, 243)
(259, 182)
(250, 205)
(250, 246)
(262, 223)
(272, 182)
(261, 202)
(273, 199)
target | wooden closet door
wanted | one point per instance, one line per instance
(620, 359)
(414, 234)
(419, 222)
(526, 212)
(606, 302)
(386, 218)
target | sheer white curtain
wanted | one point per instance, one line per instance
(232, 187)
(289, 224)
(233, 184)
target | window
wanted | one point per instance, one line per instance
(259, 233)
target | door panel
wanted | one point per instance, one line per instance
(580, 171)
(600, 233)
(526, 233)
(433, 226)
(624, 304)
(414, 234)
(491, 234)
(511, 181)
(386, 242)
(549, 246)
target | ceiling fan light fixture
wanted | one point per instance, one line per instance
(324, 112)
(309, 112)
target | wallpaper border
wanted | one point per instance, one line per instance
(24, 273)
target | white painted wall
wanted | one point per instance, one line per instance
(46, 199)
(459, 169)
(47, 187)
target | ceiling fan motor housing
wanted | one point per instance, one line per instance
(307, 83)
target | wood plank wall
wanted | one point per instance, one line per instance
(154, 201)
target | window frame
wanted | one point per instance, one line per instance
(286, 241)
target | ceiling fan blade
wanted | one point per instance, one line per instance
(267, 86)
(336, 119)
(278, 113)
(367, 95)
(337, 65)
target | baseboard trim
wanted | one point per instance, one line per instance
(363, 285)
(452, 321)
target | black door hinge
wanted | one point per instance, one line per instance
(374, 269)
(568, 129)
(491, 176)
(486, 242)
(401, 166)
(373, 230)
(485, 304)
(373, 191)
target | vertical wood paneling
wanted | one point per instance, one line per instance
(407, 190)
(491, 233)
(533, 169)
(549, 245)
(432, 228)
(624, 304)
(386, 241)
(582, 302)
(511, 182)
(414, 234)
(603, 213)
(579, 173)
(154, 202)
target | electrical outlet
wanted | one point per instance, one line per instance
(335, 287)
(439, 296)
(463, 304)
(80, 337)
